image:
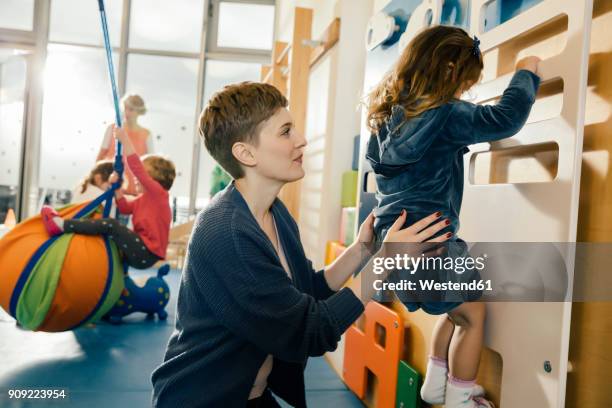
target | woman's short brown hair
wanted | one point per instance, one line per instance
(233, 115)
(160, 169)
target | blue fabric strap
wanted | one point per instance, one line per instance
(111, 71)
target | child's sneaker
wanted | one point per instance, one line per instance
(483, 403)
(465, 394)
(48, 214)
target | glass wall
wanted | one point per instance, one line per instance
(166, 25)
(17, 14)
(77, 109)
(159, 53)
(78, 21)
(250, 36)
(13, 72)
(169, 87)
(78, 105)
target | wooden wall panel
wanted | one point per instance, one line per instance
(591, 333)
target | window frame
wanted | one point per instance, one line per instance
(214, 14)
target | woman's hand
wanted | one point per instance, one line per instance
(419, 231)
(120, 134)
(530, 63)
(366, 230)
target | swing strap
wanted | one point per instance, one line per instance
(111, 71)
(107, 196)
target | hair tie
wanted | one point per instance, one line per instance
(476, 47)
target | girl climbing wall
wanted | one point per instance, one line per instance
(421, 130)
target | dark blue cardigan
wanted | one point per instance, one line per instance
(236, 305)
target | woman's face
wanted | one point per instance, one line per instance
(129, 113)
(278, 155)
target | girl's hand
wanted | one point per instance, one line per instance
(529, 63)
(366, 230)
(419, 231)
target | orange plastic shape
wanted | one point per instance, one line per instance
(362, 352)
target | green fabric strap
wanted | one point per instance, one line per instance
(38, 293)
(117, 285)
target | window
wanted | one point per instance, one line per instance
(77, 108)
(167, 25)
(245, 26)
(169, 87)
(78, 21)
(13, 70)
(17, 14)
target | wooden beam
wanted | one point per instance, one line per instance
(330, 37)
(298, 93)
(283, 57)
(277, 75)
(265, 73)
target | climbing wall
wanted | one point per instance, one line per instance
(522, 189)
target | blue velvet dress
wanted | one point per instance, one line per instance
(418, 163)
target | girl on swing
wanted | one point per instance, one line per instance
(151, 214)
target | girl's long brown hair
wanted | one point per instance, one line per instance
(104, 168)
(437, 63)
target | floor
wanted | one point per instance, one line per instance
(109, 366)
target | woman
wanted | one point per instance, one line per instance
(251, 309)
(133, 107)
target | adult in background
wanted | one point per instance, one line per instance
(133, 108)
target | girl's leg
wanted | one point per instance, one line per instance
(130, 244)
(464, 356)
(441, 337)
(433, 390)
(466, 343)
(91, 227)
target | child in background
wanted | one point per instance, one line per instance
(421, 130)
(96, 183)
(151, 214)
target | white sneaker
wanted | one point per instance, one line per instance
(478, 391)
(482, 402)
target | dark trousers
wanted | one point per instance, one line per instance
(129, 243)
(266, 400)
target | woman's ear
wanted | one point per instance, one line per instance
(242, 152)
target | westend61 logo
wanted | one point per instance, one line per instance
(424, 263)
(436, 273)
